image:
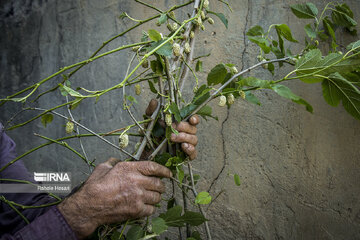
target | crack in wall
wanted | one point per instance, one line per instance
(228, 109)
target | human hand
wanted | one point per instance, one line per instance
(115, 192)
(187, 131)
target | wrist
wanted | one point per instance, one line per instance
(73, 212)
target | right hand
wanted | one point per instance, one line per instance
(115, 192)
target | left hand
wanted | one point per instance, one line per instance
(187, 131)
(187, 136)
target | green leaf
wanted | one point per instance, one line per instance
(135, 233)
(68, 90)
(156, 66)
(252, 98)
(196, 235)
(206, 111)
(217, 74)
(46, 119)
(203, 198)
(162, 19)
(175, 111)
(354, 46)
(261, 42)
(287, 93)
(172, 217)
(307, 105)
(306, 62)
(154, 35)
(131, 99)
(180, 173)
(152, 87)
(170, 203)
(343, 16)
(193, 218)
(329, 27)
(165, 50)
(185, 111)
(284, 31)
(314, 63)
(76, 103)
(199, 66)
(115, 235)
(221, 17)
(201, 95)
(237, 180)
(309, 31)
(307, 10)
(255, 31)
(162, 158)
(331, 93)
(271, 68)
(254, 82)
(353, 77)
(284, 92)
(158, 225)
(337, 87)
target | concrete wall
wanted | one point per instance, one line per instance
(300, 172)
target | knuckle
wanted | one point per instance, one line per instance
(195, 140)
(151, 166)
(181, 126)
(159, 185)
(102, 166)
(182, 136)
(137, 208)
(158, 198)
(152, 210)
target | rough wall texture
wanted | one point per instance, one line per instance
(300, 172)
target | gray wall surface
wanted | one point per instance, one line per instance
(299, 171)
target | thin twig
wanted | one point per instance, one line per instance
(90, 131)
(148, 132)
(84, 62)
(2, 198)
(157, 150)
(182, 184)
(64, 144)
(200, 208)
(230, 80)
(78, 133)
(128, 107)
(187, 63)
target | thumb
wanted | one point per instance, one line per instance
(151, 107)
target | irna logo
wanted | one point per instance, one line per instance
(51, 177)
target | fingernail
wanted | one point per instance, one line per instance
(185, 145)
(173, 136)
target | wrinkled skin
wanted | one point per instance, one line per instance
(114, 192)
(117, 191)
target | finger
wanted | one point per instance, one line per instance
(193, 155)
(186, 127)
(184, 138)
(104, 167)
(151, 107)
(151, 197)
(147, 211)
(148, 168)
(112, 161)
(190, 150)
(153, 184)
(194, 120)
